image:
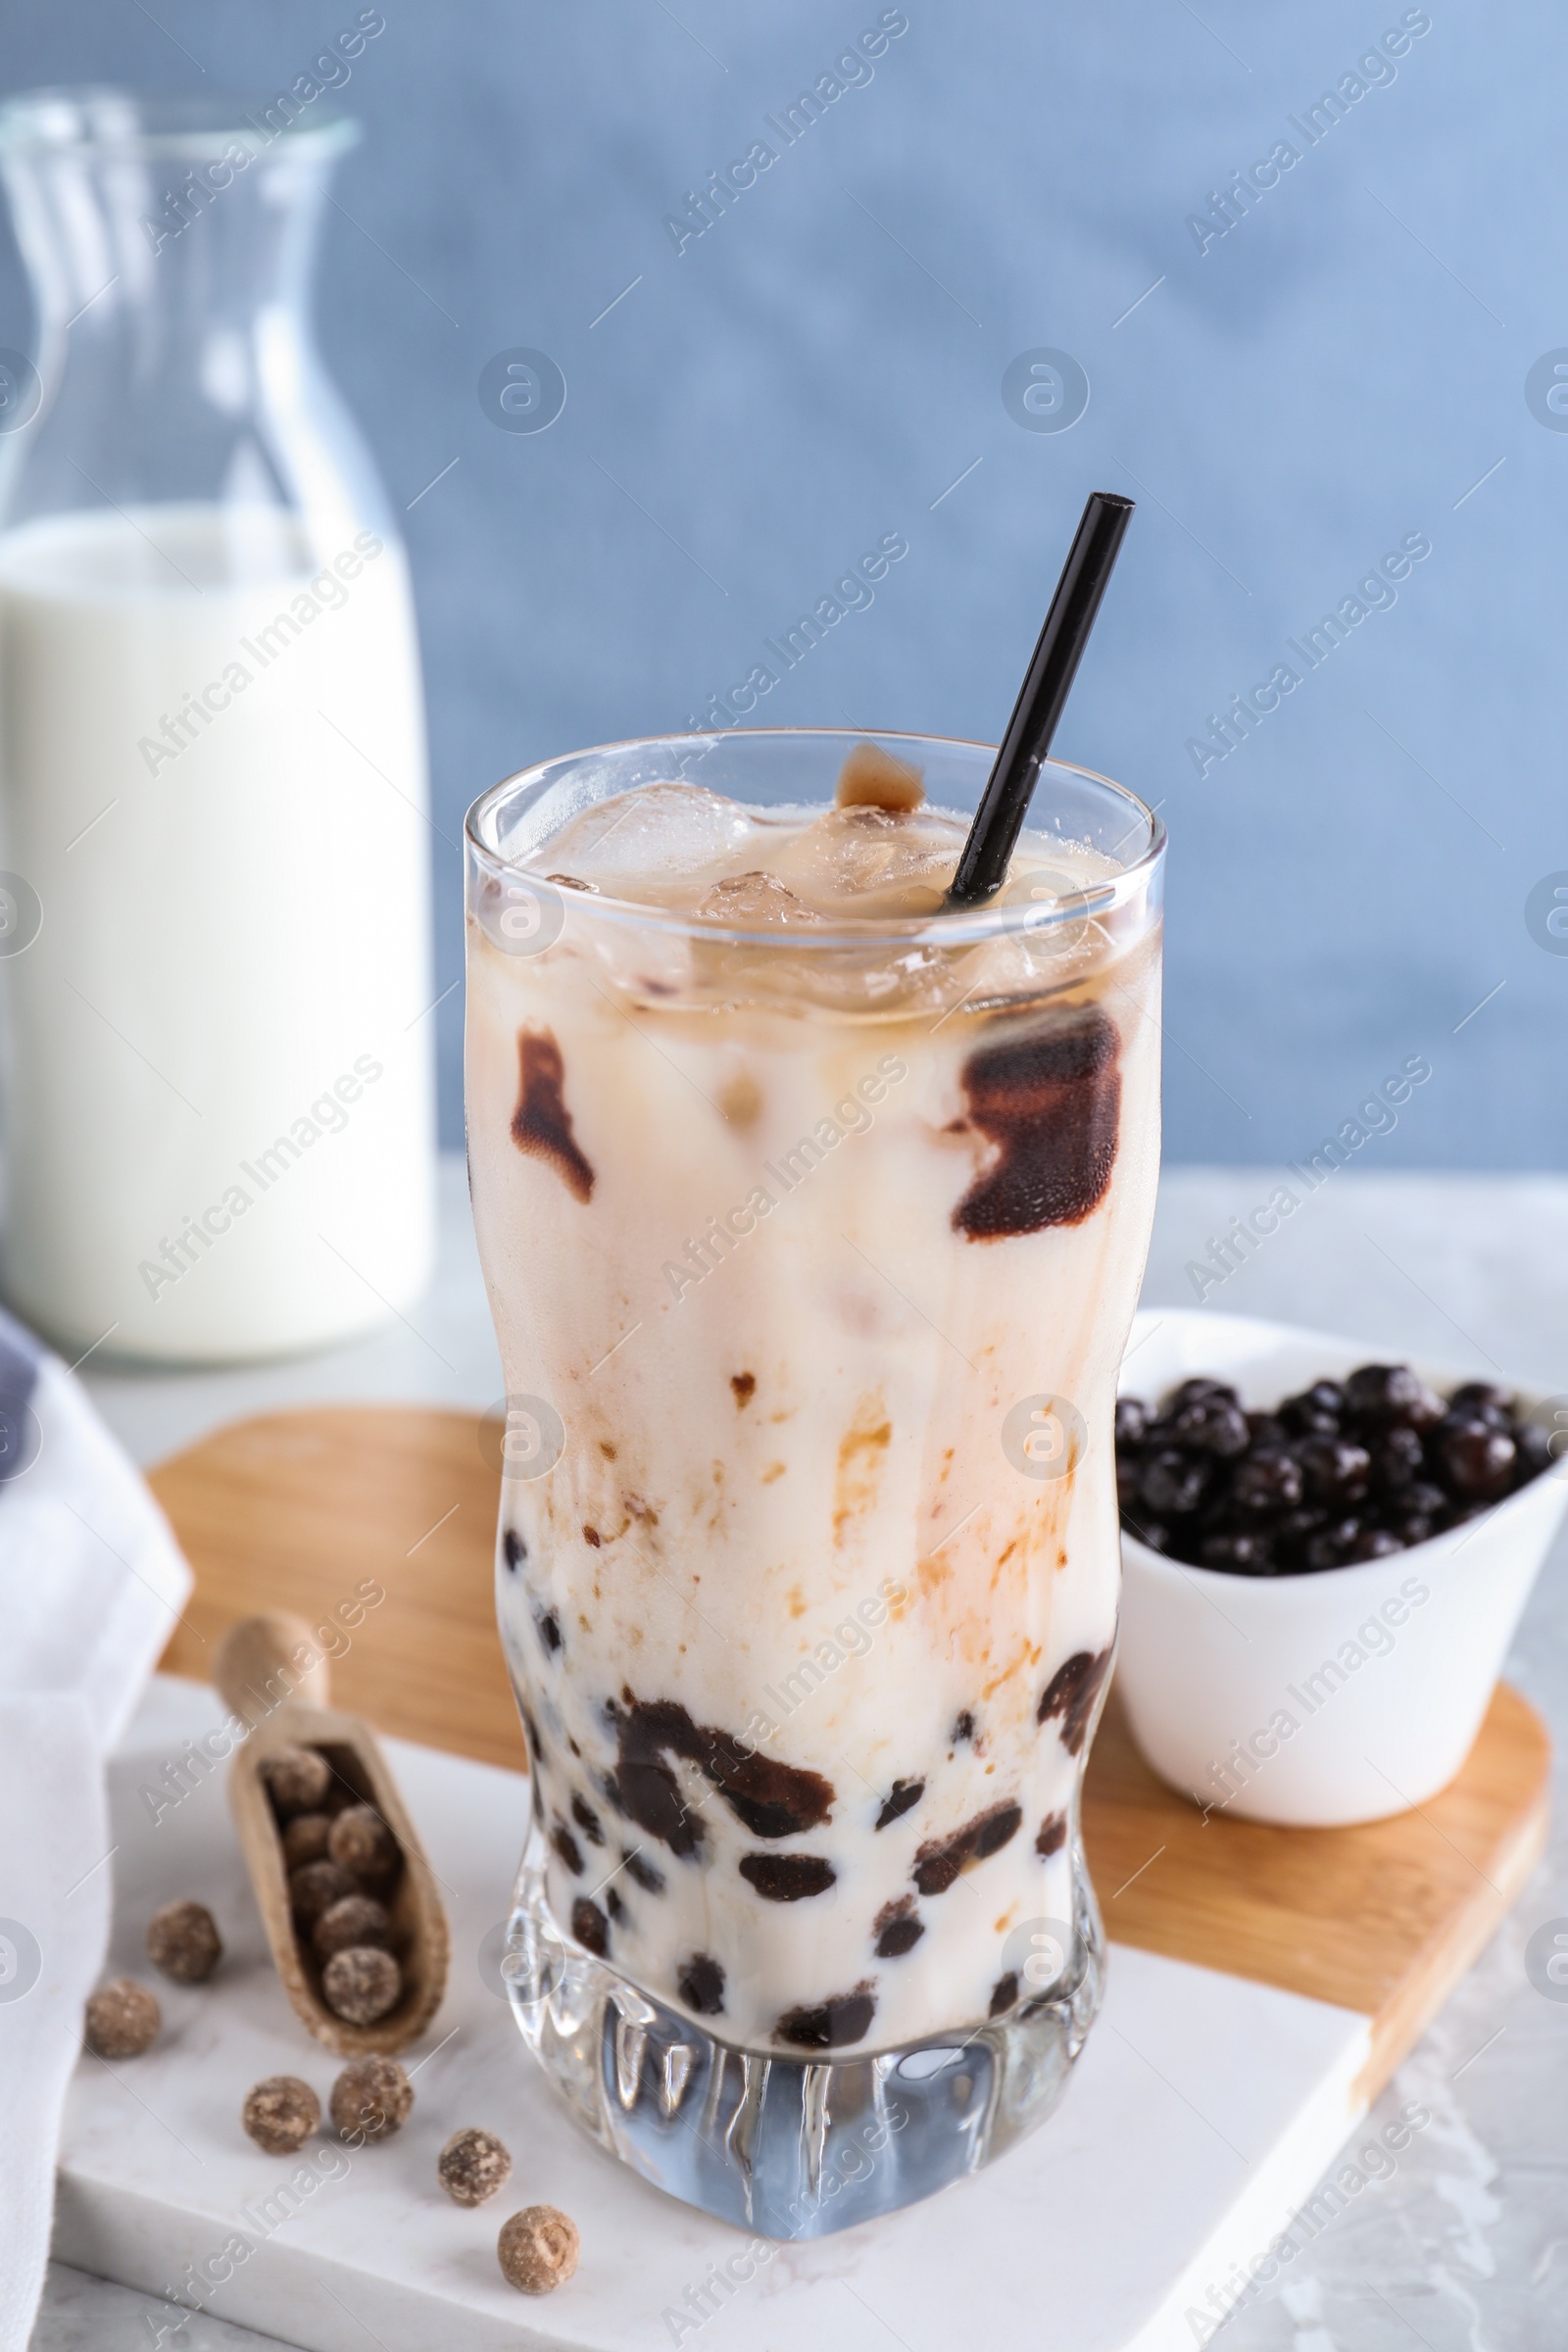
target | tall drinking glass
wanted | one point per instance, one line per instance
(813, 1243)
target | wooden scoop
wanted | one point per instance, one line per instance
(270, 1671)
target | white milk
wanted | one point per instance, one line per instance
(217, 1091)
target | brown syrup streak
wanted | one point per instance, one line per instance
(540, 1124)
(1051, 1105)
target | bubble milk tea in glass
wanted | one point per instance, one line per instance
(813, 1216)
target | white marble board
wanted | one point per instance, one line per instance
(1202, 2112)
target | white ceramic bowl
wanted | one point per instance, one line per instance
(1326, 1698)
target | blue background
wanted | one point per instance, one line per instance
(1336, 372)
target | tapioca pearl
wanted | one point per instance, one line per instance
(1003, 1994)
(770, 1798)
(787, 1878)
(896, 1928)
(900, 1799)
(1071, 1692)
(566, 1847)
(589, 1926)
(1051, 1835)
(700, 1985)
(842, 2019)
(939, 1861)
(650, 1795)
(587, 1820)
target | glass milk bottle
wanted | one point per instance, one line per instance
(214, 913)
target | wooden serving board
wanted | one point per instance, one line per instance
(297, 1511)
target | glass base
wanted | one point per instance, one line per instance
(789, 2148)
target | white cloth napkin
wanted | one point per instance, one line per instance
(92, 1581)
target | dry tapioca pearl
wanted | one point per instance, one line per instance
(537, 2249)
(472, 2166)
(297, 1780)
(123, 2018)
(362, 1984)
(182, 1939)
(315, 1887)
(361, 1841)
(356, 1919)
(280, 2114)
(305, 1840)
(372, 2097)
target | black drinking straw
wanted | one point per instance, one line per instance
(1004, 803)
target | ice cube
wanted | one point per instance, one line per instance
(637, 843)
(872, 862)
(755, 899)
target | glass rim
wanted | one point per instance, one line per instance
(981, 924)
(168, 125)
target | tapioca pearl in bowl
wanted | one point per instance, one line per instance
(1343, 1694)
